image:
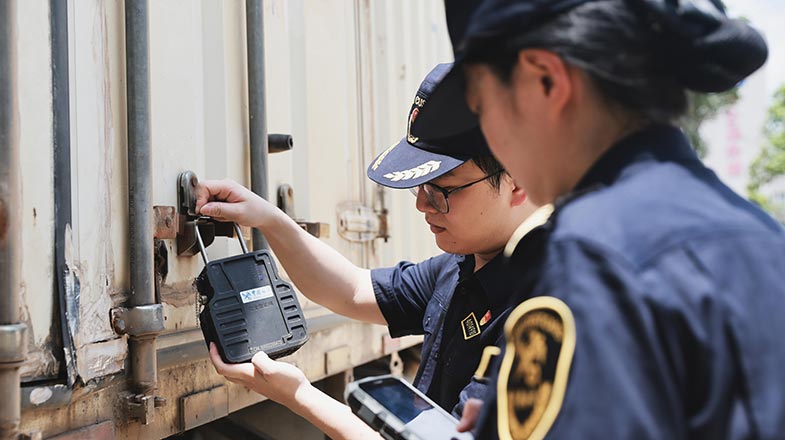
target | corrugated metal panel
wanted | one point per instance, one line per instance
(406, 39)
(341, 75)
(199, 119)
(312, 94)
(35, 140)
(99, 179)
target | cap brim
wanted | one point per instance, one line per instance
(405, 166)
(445, 113)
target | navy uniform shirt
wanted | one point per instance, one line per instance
(458, 311)
(657, 310)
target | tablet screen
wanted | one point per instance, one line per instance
(411, 409)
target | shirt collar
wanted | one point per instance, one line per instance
(494, 278)
(660, 143)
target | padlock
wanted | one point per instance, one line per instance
(247, 307)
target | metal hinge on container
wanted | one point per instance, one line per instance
(359, 223)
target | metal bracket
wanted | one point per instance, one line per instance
(286, 204)
(286, 199)
(317, 229)
(138, 321)
(141, 407)
(381, 211)
(13, 344)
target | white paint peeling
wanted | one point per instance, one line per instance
(99, 184)
(102, 358)
(40, 395)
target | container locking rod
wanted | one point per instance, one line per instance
(200, 242)
(240, 236)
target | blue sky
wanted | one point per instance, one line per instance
(768, 16)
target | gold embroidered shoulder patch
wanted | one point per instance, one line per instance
(540, 335)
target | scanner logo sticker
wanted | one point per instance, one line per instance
(413, 173)
(256, 294)
(540, 335)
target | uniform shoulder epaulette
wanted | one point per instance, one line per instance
(538, 218)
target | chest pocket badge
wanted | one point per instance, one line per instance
(470, 326)
(540, 335)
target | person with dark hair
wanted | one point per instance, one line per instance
(457, 300)
(650, 298)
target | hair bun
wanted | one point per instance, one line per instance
(719, 60)
(707, 51)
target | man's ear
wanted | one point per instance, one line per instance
(518, 196)
(545, 80)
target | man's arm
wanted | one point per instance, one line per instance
(287, 385)
(320, 272)
(333, 418)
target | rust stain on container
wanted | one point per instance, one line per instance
(166, 222)
(178, 294)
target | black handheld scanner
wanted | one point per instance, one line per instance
(247, 306)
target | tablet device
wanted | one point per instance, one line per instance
(399, 411)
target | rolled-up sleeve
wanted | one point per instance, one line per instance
(404, 290)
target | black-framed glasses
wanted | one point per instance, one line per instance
(437, 196)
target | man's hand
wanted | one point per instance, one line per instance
(227, 200)
(287, 385)
(281, 382)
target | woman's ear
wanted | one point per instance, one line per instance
(545, 79)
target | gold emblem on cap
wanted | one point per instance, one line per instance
(418, 103)
(412, 117)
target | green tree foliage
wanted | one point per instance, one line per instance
(770, 163)
(702, 108)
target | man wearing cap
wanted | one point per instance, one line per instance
(650, 302)
(457, 300)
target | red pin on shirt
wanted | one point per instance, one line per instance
(485, 318)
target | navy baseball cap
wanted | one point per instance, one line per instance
(412, 161)
(693, 24)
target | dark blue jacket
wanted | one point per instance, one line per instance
(438, 298)
(676, 289)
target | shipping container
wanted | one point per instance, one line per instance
(104, 105)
